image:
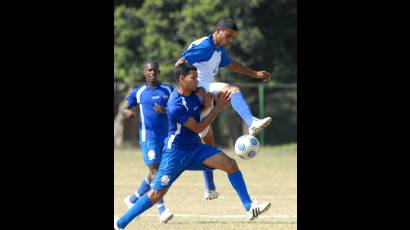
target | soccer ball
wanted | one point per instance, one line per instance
(246, 146)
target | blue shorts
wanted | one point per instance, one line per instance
(174, 162)
(152, 151)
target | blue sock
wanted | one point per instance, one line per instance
(238, 184)
(161, 206)
(209, 179)
(240, 105)
(142, 189)
(141, 206)
(133, 198)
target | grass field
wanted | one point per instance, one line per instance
(270, 176)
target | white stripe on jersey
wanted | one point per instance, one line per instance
(167, 88)
(196, 42)
(171, 139)
(142, 124)
(138, 95)
(184, 103)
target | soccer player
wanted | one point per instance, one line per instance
(184, 151)
(152, 98)
(208, 55)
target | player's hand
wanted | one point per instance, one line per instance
(208, 98)
(128, 113)
(200, 91)
(159, 109)
(263, 75)
(222, 100)
(181, 60)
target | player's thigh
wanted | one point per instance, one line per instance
(204, 152)
(221, 161)
(170, 168)
(216, 87)
(209, 137)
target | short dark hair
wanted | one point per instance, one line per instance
(152, 62)
(227, 23)
(183, 69)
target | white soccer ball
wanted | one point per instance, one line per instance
(246, 146)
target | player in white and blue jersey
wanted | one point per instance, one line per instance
(208, 55)
(184, 151)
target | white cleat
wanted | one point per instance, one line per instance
(165, 216)
(128, 202)
(210, 194)
(258, 124)
(257, 209)
(115, 223)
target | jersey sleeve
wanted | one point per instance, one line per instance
(197, 53)
(132, 98)
(225, 59)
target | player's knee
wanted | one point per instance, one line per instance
(234, 89)
(155, 195)
(231, 166)
(152, 175)
(153, 171)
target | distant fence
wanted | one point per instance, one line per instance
(278, 100)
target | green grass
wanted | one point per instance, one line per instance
(270, 176)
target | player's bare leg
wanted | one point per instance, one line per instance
(209, 137)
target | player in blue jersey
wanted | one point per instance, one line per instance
(152, 98)
(208, 55)
(184, 151)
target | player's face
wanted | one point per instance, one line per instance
(226, 36)
(191, 80)
(151, 72)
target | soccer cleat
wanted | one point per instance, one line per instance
(165, 216)
(115, 224)
(128, 202)
(257, 209)
(258, 124)
(210, 194)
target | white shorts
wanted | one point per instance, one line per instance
(214, 88)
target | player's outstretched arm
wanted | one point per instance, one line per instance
(239, 68)
(222, 100)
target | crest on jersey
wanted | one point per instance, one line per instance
(165, 180)
(151, 154)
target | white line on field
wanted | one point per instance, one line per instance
(226, 216)
(266, 196)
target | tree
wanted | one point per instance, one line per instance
(267, 39)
